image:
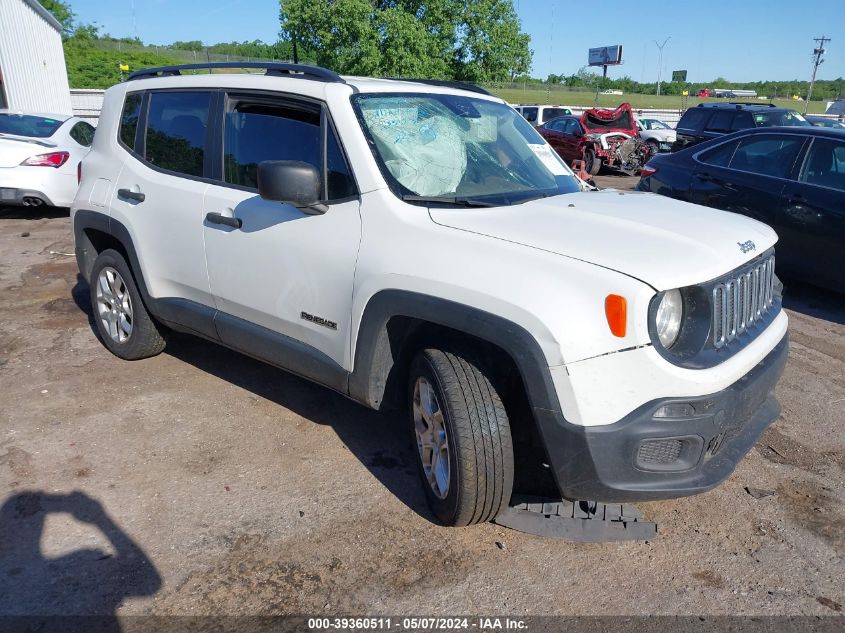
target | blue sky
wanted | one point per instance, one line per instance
(741, 40)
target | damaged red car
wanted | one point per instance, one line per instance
(599, 137)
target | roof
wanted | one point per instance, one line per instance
(300, 72)
(734, 105)
(804, 130)
(46, 115)
(49, 18)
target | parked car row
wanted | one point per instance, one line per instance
(791, 178)
(40, 156)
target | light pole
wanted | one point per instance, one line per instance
(818, 61)
(660, 61)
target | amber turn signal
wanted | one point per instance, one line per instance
(616, 310)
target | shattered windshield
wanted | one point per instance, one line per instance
(460, 149)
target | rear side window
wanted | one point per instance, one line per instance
(257, 131)
(176, 126)
(768, 155)
(83, 133)
(825, 164)
(721, 121)
(719, 156)
(693, 119)
(530, 114)
(129, 120)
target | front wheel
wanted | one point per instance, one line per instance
(592, 163)
(463, 438)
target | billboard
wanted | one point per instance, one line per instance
(679, 75)
(605, 56)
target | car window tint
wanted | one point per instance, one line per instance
(825, 164)
(530, 114)
(694, 119)
(719, 156)
(129, 119)
(573, 127)
(255, 132)
(558, 125)
(176, 127)
(721, 121)
(768, 155)
(340, 182)
(742, 121)
(82, 133)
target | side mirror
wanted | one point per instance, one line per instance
(291, 181)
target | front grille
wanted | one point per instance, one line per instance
(742, 300)
(659, 451)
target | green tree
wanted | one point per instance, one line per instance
(63, 13)
(475, 41)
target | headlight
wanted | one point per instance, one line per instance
(668, 317)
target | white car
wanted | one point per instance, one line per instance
(538, 115)
(40, 156)
(656, 132)
(420, 247)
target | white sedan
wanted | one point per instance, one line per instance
(39, 157)
(657, 133)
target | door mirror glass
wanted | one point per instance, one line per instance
(292, 181)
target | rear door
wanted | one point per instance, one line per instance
(746, 175)
(159, 193)
(813, 215)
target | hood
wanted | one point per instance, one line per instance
(658, 240)
(619, 120)
(16, 149)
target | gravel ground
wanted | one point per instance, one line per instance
(203, 482)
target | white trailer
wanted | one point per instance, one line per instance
(33, 75)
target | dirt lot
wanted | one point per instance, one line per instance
(208, 483)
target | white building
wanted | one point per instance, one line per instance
(33, 75)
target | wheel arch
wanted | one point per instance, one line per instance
(396, 323)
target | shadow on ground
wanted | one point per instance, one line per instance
(381, 441)
(86, 581)
(814, 302)
(33, 213)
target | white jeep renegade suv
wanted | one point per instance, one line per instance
(418, 245)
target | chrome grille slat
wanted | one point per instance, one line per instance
(742, 300)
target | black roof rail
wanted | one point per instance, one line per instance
(302, 71)
(751, 103)
(447, 83)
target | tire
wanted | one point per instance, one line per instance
(125, 327)
(592, 163)
(479, 456)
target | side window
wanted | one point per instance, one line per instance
(721, 121)
(530, 114)
(255, 131)
(83, 133)
(768, 155)
(742, 121)
(558, 125)
(694, 118)
(129, 120)
(825, 164)
(719, 156)
(176, 126)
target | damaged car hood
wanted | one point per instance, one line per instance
(599, 120)
(663, 242)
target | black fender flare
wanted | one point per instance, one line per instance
(377, 349)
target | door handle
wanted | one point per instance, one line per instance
(705, 177)
(131, 195)
(219, 218)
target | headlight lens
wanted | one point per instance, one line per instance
(668, 317)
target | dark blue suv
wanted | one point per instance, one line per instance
(791, 178)
(712, 120)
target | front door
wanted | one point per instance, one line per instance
(283, 275)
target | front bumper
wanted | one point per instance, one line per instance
(643, 457)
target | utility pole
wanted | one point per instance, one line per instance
(818, 61)
(660, 61)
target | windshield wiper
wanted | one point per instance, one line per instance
(467, 202)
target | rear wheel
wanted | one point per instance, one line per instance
(592, 163)
(463, 438)
(125, 326)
